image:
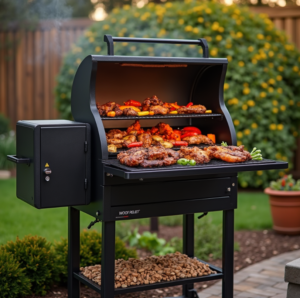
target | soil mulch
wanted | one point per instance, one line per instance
(254, 246)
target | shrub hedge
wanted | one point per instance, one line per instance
(13, 280)
(263, 81)
(90, 251)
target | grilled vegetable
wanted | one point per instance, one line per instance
(189, 104)
(126, 107)
(157, 138)
(173, 112)
(182, 161)
(224, 144)
(135, 144)
(144, 113)
(133, 103)
(112, 148)
(189, 134)
(256, 154)
(191, 129)
(208, 112)
(166, 144)
(212, 137)
(151, 113)
(180, 143)
(111, 114)
(192, 162)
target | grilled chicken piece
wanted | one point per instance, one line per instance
(157, 152)
(118, 111)
(229, 153)
(130, 112)
(199, 139)
(168, 161)
(159, 110)
(132, 157)
(136, 126)
(197, 109)
(115, 141)
(128, 140)
(199, 155)
(152, 163)
(164, 129)
(146, 104)
(116, 134)
(146, 139)
(104, 109)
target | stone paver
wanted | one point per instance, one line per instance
(261, 280)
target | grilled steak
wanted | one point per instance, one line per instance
(199, 155)
(197, 109)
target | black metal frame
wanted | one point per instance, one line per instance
(107, 290)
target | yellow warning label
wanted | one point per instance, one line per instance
(46, 165)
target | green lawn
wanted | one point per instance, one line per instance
(19, 219)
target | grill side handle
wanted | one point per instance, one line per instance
(16, 159)
(111, 39)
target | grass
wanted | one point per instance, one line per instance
(19, 219)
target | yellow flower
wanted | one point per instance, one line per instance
(161, 32)
(271, 65)
(133, 48)
(124, 44)
(215, 26)
(283, 108)
(271, 54)
(251, 49)
(271, 81)
(168, 4)
(239, 134)
(218, 37)
(208, 38)
(126, 7)
(279, 78)
(192, 46)
(200, 20)
(229, 58)
(275, 110)
(244, 107)
(78, 61)
(214, 52)
(228, 45)
(245, 84)
(208, 10)
(254, 125)
(196, 30)
(91, 39)
(239, 34)
(236, 122)
(246, 91)
(272, 126)
(254, 61)
(295, 133)
(275, 102)
(188, 28)
(278, 155)
(291, 102)
(280, 127)
(226, 86)
(239, 143)
(247, 131)
(150, 49)
(260, 36)
(251, 103)
(279, 90)
(241, 63)
(181, 22)
(284, 158)
(263, 94)
(280, 68)
(97, 49)
(63, 95)
(71, 71)
(298, 103)
(136, 14)
(221, 29)
(271, 89)
(264, 85)
(281, 174)
(105, 27)
(267, 45)
(259, 173)
(295, 68)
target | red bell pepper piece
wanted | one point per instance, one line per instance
(172, 109)
(180, 143)
(189, 104)
(135, 144)
(189, 134)
(191, 129)
(132, 102)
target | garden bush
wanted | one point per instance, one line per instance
(36, 257)
(7, 147)
(13, 280)
(263, 80)
(90, 251)
(4, 125)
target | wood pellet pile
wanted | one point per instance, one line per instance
(151, 270)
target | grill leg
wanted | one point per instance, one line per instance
(188, 247)
(228, 251)
(73, 252)
(108, 260)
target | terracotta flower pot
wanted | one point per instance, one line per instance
(285, 209)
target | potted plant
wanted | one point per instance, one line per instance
(284, 197)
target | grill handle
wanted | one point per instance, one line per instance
(110, 42)
(16, 159)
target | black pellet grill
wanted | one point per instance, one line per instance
(66, 163)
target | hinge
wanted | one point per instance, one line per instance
(85, 183)
(85, 146)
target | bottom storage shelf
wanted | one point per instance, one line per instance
(88, 282)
